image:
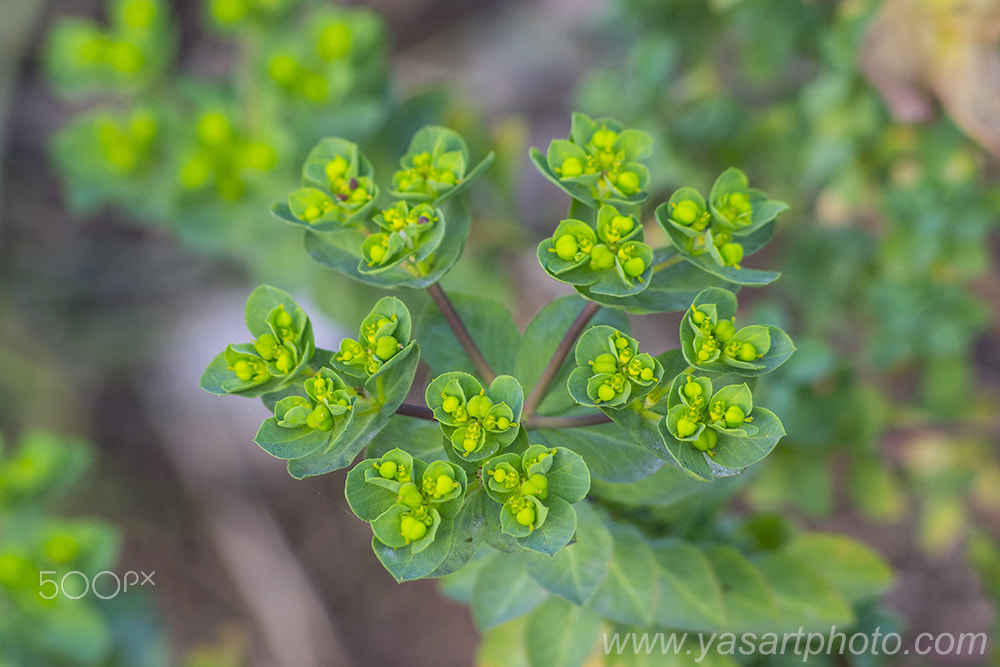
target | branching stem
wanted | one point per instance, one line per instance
(541, 421)
(550, 370)
(464, 337)
(418, 411)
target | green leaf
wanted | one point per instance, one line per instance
(670, 288)
(740, 452)
(368, 501)
(369, 418)
(666, 486)
(557, 529)
(578, 188)
(560, 634)
(610, 456)
(690, 597)
(802, 596)
(260, 303)
(420, 437)
(490, 325)
(685, 456)
(466, 536)
(404, 565)
(750, 604)
(568, 477)
(629, 590)
(289, 443)
(504, 590)
(856, 572)
(576, 570)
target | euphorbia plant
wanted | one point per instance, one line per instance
(517, 474)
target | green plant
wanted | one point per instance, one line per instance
(560, 475)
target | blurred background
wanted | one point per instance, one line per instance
(143, 141)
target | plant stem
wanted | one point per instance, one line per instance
(464, 337)
(541, 421)
(418, 411)
(666, 264)
(565, 345)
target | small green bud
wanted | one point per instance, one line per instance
(604, 139)
(336, 168)
(747, 352)
(139, 13)
(566, 247)
(266, 346)
(622, 224)
(526, 516)
(686, 427)
(601, 258)
(686, 212)
(387, 470)
(571, 168)
(444, 486)
(450, 404)
(284, 69)
(479, 406)
(334, 41)
(377, 254)
(634, 267)
(503, 423)
(229, 11)
(320, 419)
(605, 363)
(410, 495)
(731, 253)
(411, 529)
(214, 128)
(125, 57)
(707, 440)
(692, 389)
(628, 182)
(606, 393)
(386, 347)
(725, 330)
(734, 416)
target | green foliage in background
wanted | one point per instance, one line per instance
(39, 544)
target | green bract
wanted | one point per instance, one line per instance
(384, 333)
(600, 162)
(411, 234)
(611, 260)
(610, 370)
(478, 422)
(434, 167)
(282, 348)
(711, 342)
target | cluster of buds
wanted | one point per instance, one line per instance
(224, 157)
(520, 484)
(477, 421)
(277, 354)
(698, 414)
(720, 224)
(406, 230)
(338, 188)
(234, 13)
(383, 333)
(424, 496)
(711, 341)
(435, 166)
(126, 145)
(610, 257)
(611, 372)
(602, 157)
(327, 406)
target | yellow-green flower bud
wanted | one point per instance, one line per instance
(725, 330)
(734, 416)
(336, 168)
(605, 363)
(387, 470)
(628, 182)
(731, 253)
(747, 352)
(410, 496)
(633, 267)
(692, 389)
(214, 128)
(320, 419)
(566, 247)
(707, 440)
(604, 139)
(685, 212)
(386, 347)
(606, 393)
(571, 168)
(266, 346)
(601, 258)
(411, 529)
(686, 427)
(479, 406)
(444, 485)
(526, 516)
(334, 41)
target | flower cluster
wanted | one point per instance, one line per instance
(337, 187)
(601, 159)
(383, 334)
(224, 156)
(611, 372)
(478, 422)
(327, 406)
(283, 346)
(719, 225)
(406, 232)
(609, 258)
(698, 414)
(424, 496)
